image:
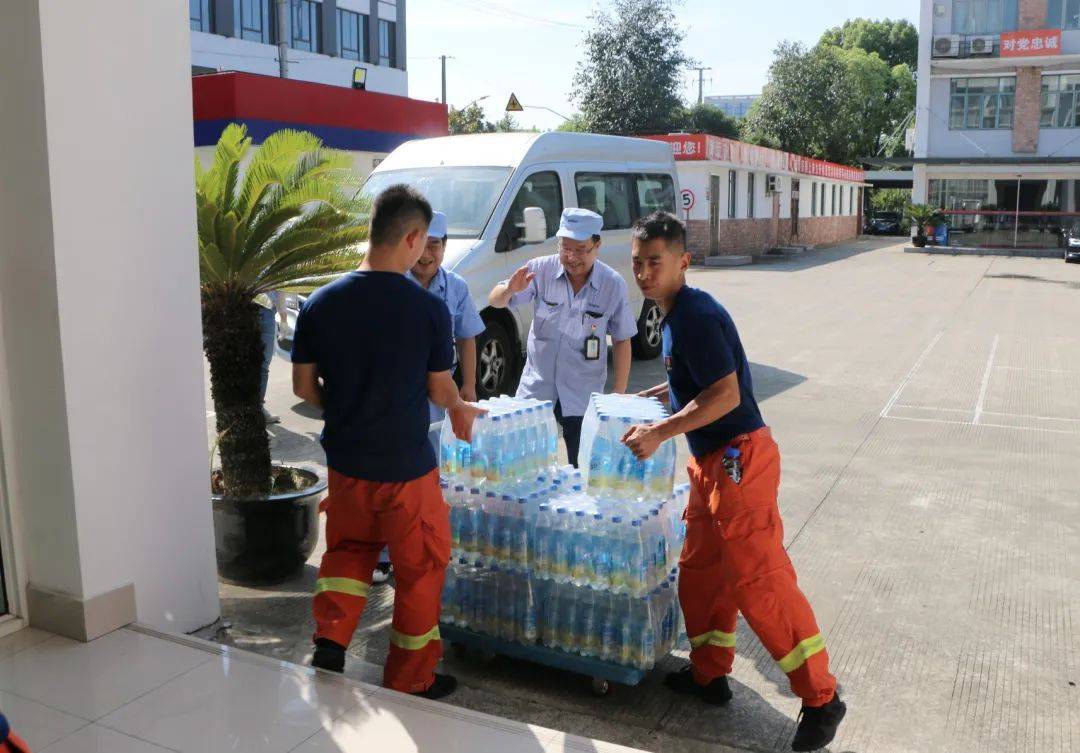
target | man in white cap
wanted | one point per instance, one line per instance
(578, 302)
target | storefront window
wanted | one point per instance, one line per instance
(982, 103)
(1064, 14)
(984, 16)
(1061, 101)
(1008, 212)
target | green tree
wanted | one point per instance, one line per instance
(705, 118)
(628, 81)
(895, 42)
(830, 102)
(507, 124)
(576, 124)
(890, 199)
(469, 119)
(289, 223)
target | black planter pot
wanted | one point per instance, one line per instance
(262, 542)
(919, 241)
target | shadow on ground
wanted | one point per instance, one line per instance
(817, 257)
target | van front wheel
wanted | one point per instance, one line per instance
(648, 340)
(494, 362)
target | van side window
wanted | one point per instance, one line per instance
(655, 193)
(607, 194)
(539, 190)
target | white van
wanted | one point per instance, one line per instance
(486, 182)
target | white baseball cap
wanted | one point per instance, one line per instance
(437, 228)
(579, 224)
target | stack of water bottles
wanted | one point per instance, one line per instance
(578, 563)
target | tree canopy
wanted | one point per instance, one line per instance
(629, 78)
(895, 42)
(705, 118)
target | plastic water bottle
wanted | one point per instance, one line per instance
(618, 546)
(486, 532)
(599, 458)
(547, 611)
(449, 596)
(588, 633)
(606, 626)
(567, 617)
(635, 558)
(562, 561)
(599, 546)
(625, 634)
(481, 615)
(525, 617)
(457, 510)
(581, 550)
(469, 519)
(543, 542)
(552, 434)
(502, 594)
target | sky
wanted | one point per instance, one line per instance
(532, 48)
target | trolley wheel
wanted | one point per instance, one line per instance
(601, 687)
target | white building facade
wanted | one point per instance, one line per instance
(997, 142)
(328, 40)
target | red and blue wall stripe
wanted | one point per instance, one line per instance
(343, 118)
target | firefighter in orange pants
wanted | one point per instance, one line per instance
(9, 741)
(733, 559)
(370, 349)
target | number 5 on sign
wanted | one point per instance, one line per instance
(688, 200)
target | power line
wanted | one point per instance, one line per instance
(513, 15)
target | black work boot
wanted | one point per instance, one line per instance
(443, 686)
(817, 726)
(716, 693)
(328, 655)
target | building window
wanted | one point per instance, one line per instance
(352, 35)
(750, 195)
(306, 25)
(822, 208)
(984, 16)
(832, 203)
(982, 103)
(388, 43)
(813, 199)
(1064, 14)
(1060, 101)
(201, 14)
(851, 200)
(258, 21)
(732, 187)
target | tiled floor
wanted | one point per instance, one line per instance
(136, 692)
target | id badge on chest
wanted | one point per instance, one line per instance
(592, 346)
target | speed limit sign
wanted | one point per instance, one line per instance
(688, 199)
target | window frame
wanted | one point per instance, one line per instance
(813, 198)
(1057, 15)
(506, 241)
(631, 193)
(361, 26)
(205, 21)
(638, 210)
(750, 188)
(733, 194)
(1053, 117)
(267, 31)
(1008, 15)
(313, 10)
(974, 105)
(388, 58)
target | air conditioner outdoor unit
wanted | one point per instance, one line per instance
(983, 45)
(947, 46)
(774, 184)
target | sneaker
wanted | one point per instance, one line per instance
(382, 573)
(328, 655)
(270, 418)
(817, 726)
(716, 693)
(443, 686)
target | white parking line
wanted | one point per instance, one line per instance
(896, 395)
(981, 424)
(986, 381)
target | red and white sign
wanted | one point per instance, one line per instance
(688, 199)
(1023, 44)
(699, 147)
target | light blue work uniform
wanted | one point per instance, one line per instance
(451, 287)
(556, 368)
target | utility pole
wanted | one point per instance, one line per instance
(282, 38)
(701, 83)
(443, 59)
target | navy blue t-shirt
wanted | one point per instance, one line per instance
(374, 337)
(701, 347)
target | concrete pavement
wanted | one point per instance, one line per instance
(928, 413)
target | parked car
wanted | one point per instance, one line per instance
(484, 183)
(1072, 242)
(886, 223)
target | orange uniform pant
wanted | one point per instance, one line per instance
(413, 520)
(734, 561)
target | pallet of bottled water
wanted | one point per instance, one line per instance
(611, 470)
(513, 444)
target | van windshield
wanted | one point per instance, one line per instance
(466, 195)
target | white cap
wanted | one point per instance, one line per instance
(437, 228)
(579, 224)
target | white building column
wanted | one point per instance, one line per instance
(101, 390)
(922, 100)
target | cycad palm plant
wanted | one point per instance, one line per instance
(288, 222)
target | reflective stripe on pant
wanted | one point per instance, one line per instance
(734, 561)
(413, 520)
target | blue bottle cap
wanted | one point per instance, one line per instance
(491, 495)
(616, 519)
(575, 488)
(474, 490)
(598, 516)
(544, 508)
(636, 523)
(605, 418)
(496, 418)
(732, 452)
(561, 510)
(459, 488)
(523, 500)
(579, 514)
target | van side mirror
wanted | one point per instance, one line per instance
(535, 225)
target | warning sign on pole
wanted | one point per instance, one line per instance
(513, 105)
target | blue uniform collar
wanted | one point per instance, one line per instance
(592, 282)
(438, 282)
